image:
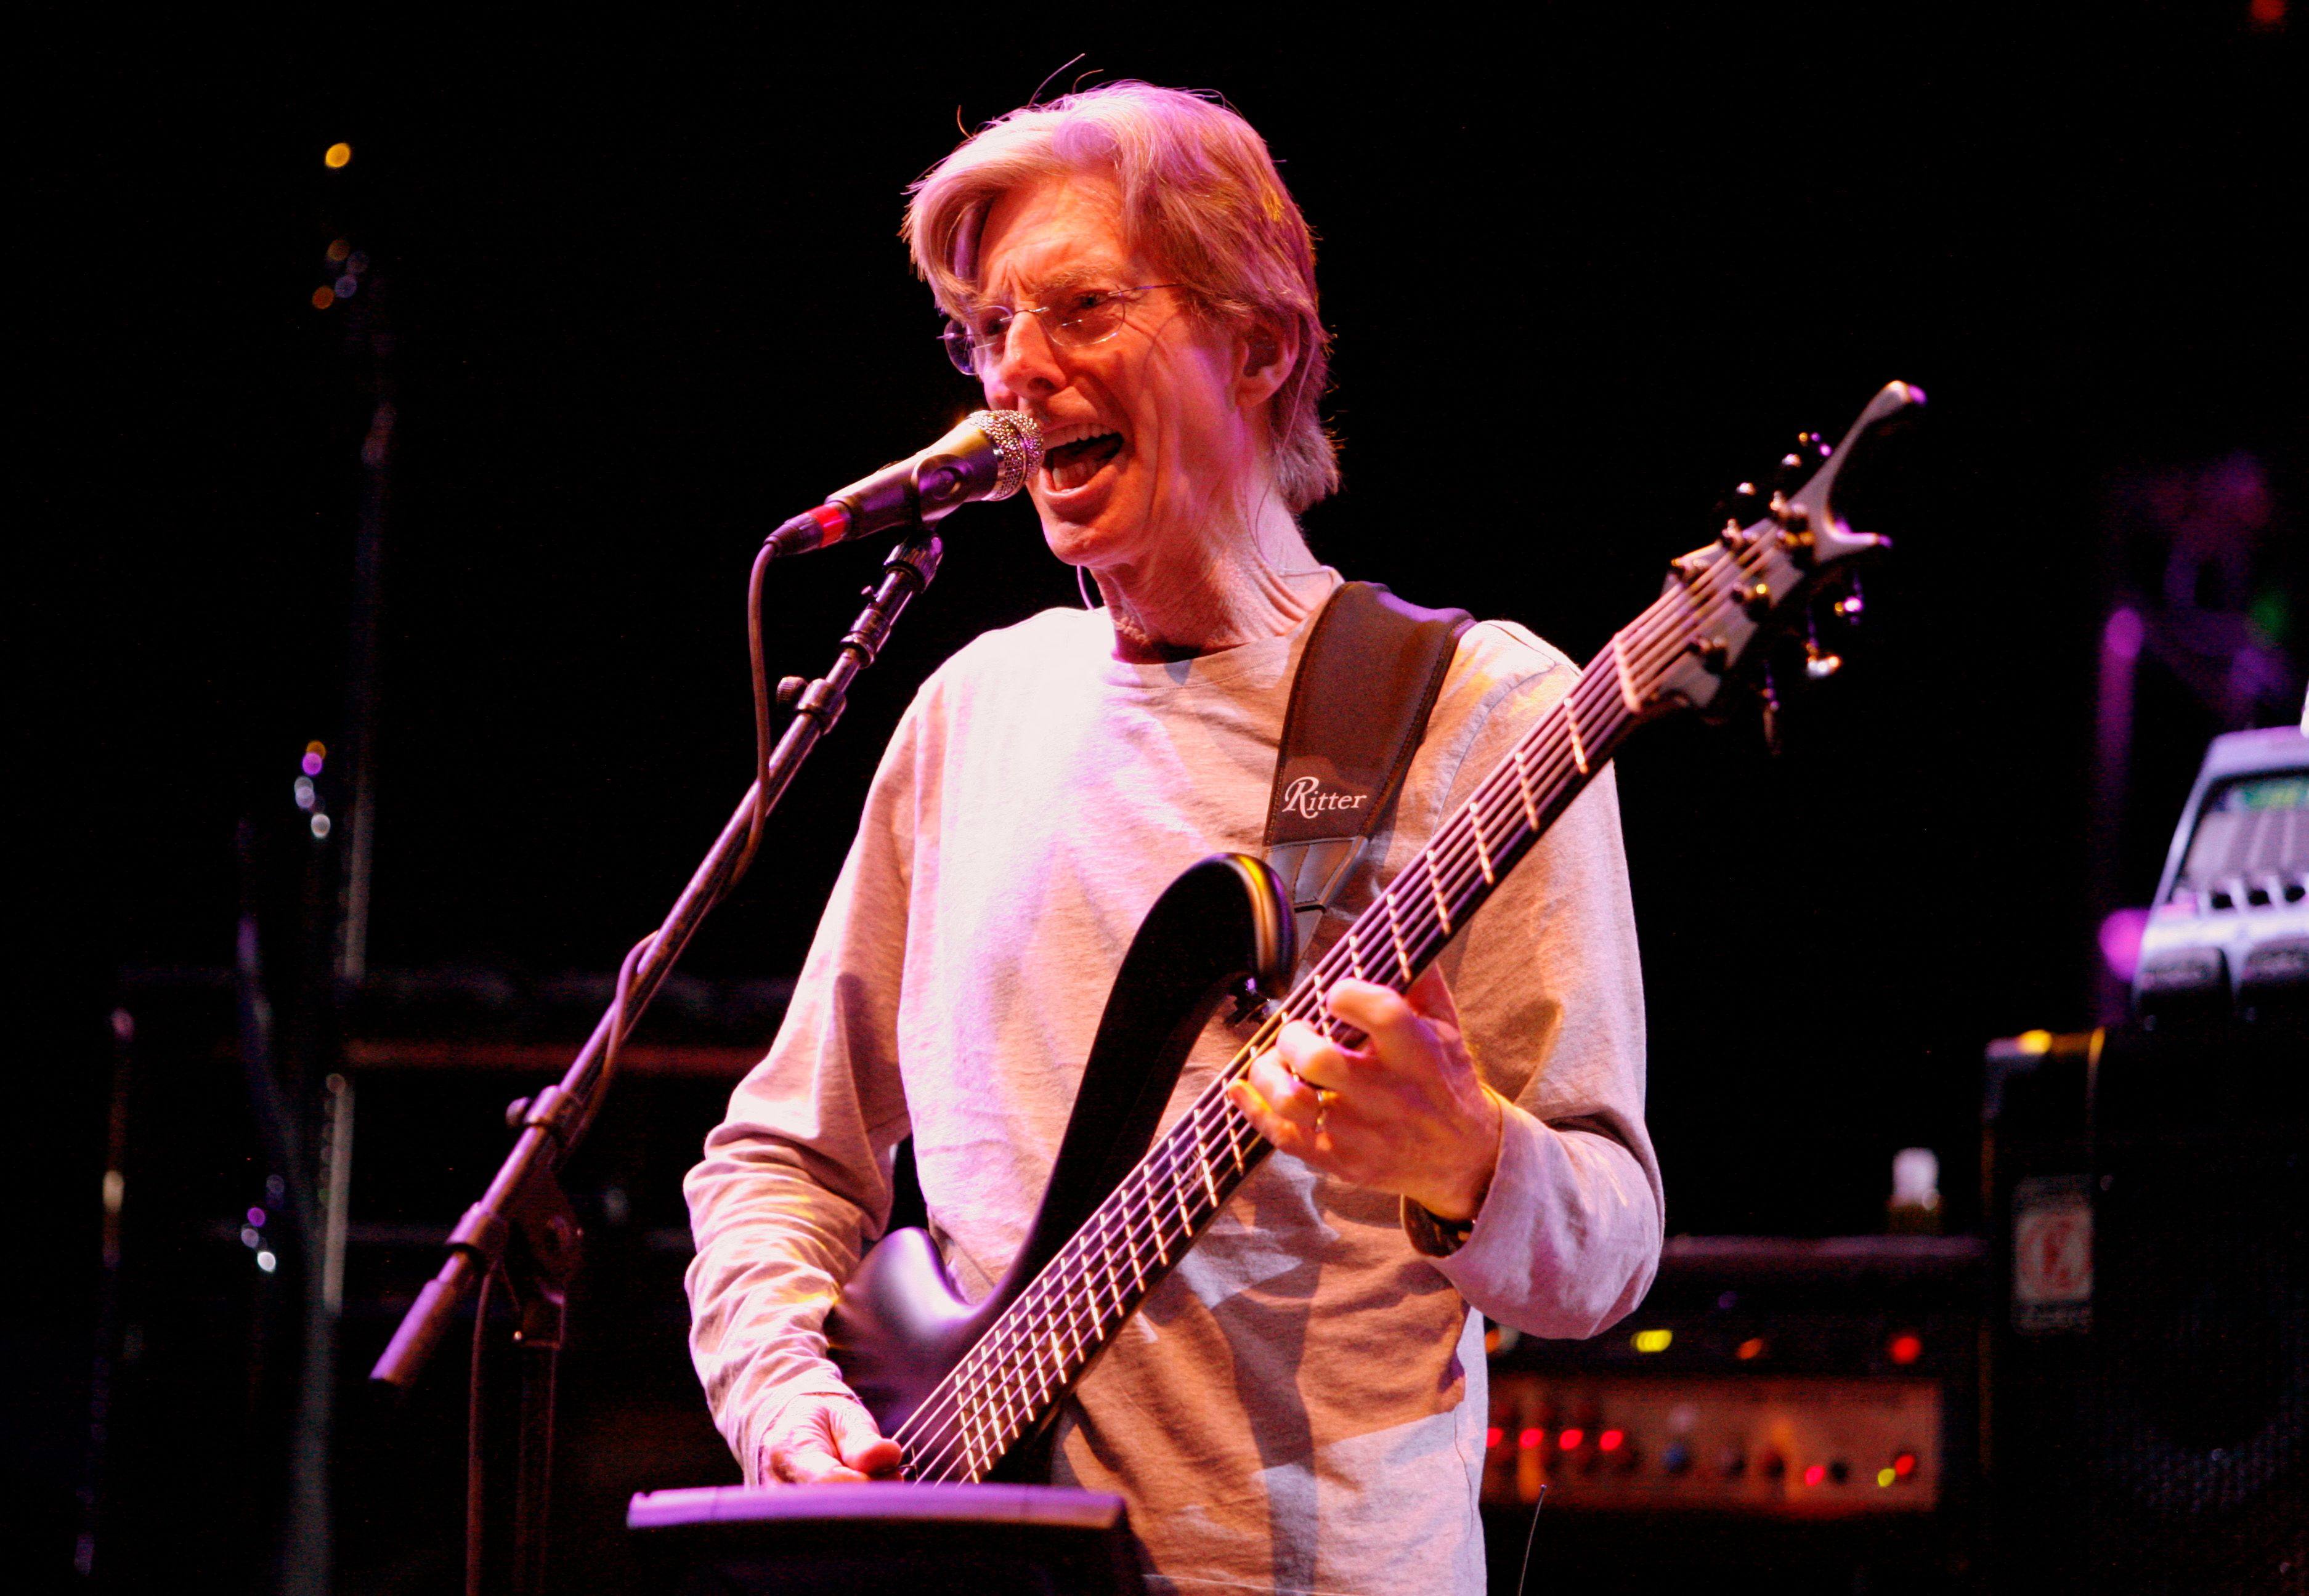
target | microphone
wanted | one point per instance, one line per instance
(987, 456)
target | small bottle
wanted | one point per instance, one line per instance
(1914, 1209)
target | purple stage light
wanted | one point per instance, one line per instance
(2120, 942)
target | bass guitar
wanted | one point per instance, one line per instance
(969, 1389)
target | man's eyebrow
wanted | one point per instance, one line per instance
(1058, 282)
(1075, 277)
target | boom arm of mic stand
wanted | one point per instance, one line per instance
(523, 1199)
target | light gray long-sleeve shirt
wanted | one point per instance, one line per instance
(1302, 1405)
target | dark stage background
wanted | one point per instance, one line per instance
(648, 299)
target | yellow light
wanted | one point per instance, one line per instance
(339, 155)
(317, 750)
(1653, 1341)
(339, 249)
(323, 297)
(1884, 1477)
(2036, 1041)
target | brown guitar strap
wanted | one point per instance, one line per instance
(1359, 706)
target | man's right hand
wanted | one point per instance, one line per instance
(829, 1440)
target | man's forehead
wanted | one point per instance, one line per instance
(1052, 234)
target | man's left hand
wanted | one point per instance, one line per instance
(1405, 1113)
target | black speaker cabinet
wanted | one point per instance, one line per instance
(2148, 1422)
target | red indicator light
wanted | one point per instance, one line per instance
(1815, 1475)
(1611, 1438)
(1568, 1441)
(1752, 1348)
(1492, 1436)
(1530, 1440)
(1905, 1348)
(1904, 1463)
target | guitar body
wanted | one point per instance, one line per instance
(1222, 929)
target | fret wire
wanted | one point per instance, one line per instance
(976, 1444)
(1572, 725)
(1077, 1284)
(1627, 687)
(1154, 1224)
(1482, 854)
(1064, 1326)
(1522, 780)
(1114, 1283)
(1442, 910)
(1179, 1196)
(1395, 926)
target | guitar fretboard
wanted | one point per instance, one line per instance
(1044, 1342)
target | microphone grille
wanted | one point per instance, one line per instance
(1017, 442)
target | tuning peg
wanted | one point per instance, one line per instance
(1771, 697)
(1798, 463)
(1738, 508)
(1848, 609)
(1819, 664)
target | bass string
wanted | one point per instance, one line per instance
(1020, 1368)
(1035, 1326)
(1462, 848)
(1030, 1327)
(1457, 848)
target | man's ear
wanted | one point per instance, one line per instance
(1271, 354)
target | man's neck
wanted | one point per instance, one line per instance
(1257, 582)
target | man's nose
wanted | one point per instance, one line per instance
(1025, 362)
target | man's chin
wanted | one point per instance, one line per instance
(1078, 538)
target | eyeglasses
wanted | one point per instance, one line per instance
(1081, 316)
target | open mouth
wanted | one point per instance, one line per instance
(1070, 465)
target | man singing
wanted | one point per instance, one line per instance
(1300, 1405)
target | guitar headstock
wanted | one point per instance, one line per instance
(1760, 585)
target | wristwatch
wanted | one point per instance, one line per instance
(1435, 1237)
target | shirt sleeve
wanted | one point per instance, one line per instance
(1550, 991)
(796, 1179)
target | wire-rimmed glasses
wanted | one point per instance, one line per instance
(1079, 316)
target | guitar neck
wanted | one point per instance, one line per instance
(1003, 1388)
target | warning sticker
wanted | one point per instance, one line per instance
(2051, 1253)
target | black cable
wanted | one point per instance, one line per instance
(1531, 1539)
(764, 744)
(474, 1537)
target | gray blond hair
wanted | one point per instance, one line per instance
(1201, 198)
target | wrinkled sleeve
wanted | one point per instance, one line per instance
(795, 1181)
(1549, 992)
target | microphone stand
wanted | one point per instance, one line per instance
(523, 1232)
